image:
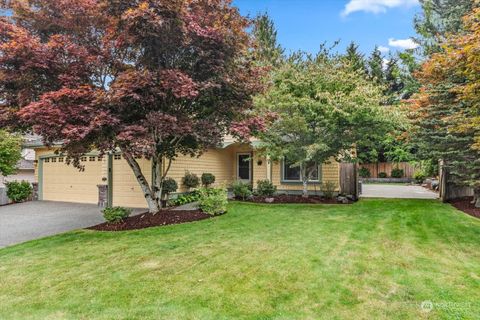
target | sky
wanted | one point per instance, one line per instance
(305, 24)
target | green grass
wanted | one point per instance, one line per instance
(377, 259)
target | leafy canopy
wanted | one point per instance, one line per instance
(10, 152)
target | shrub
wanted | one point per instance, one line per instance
(213, 201)
(208, 179)
(18, 191)
(116, 214)
(419, 176)
(241, 190)
(186, 198)
(190, 180)
(364, 173)
(328, 189)
(382, 175)
(397, 173)
(265, 188)
(169, 185)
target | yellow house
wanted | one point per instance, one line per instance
(58, 181)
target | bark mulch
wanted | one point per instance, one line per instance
(283, 198)
(465, 205)
(147, 220)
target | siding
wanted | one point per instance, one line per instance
(125, 188)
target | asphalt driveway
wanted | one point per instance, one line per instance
(396, 191)
(32, 220)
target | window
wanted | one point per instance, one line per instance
(83, 159)
(100, 158)
(117, 157)
(60, 159)
(54, 159)
(47, 159)
(293, 173)
(91, 159)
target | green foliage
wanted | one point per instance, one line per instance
(213, 201)
(382, 175)
(19, 191)
(355, 58)
(116, 214)
(317, 101)
(190, 180)
(10, 152)
(266, 188)
(328, 189)
(364, 173)
(375, 67)
(267, 51)
(419, 176)
(397, 173)
(169, 185)
(241, 190)
(186, 198)
(207, 179)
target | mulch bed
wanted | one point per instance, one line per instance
(284, 198)
(464, 205)
(147, 220)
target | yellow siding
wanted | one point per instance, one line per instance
(330, 172)
(126, 191)
(214, 161)
(259, 168)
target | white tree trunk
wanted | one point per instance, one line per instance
(153, 202)
(304, 177)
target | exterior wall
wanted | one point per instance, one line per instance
(126, 191)
(329, 172)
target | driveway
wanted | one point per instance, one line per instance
(396, 191)
(32, 220)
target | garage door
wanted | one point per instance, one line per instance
(62, 182)
(126, 191)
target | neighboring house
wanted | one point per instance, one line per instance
(25, 169)
(233, 161)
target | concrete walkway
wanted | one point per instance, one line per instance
(396, 191)
(36, 219)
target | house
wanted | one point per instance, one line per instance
(25, 169)
(233, 161)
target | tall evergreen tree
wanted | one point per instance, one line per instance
(268, 50)
(438, 19)
(375, 67)
(355, 58)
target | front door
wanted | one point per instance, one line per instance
(244, 169)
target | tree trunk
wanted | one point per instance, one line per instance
(476, 197)
(153, 202)
(304, 177)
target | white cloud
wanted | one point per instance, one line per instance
(402, 43)
(383, 49)
(375, 6)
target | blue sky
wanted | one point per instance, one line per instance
(304, 24)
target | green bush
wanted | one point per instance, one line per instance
(18, 191)
(382, 175)
(328, 189)
(190, 180)
(213, 201)
(241, 190)
(169, 185)
(419, 176)
(397, 173)
(116, 214)
(208, 179)
(364, 173)
(186, 198)
(265, 188)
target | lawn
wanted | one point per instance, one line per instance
(376, 259)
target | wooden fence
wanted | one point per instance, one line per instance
(449, 190)
(376, 168)
(349, 179)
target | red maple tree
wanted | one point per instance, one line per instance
(152, 78)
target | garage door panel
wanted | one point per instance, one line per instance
(62, 182)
